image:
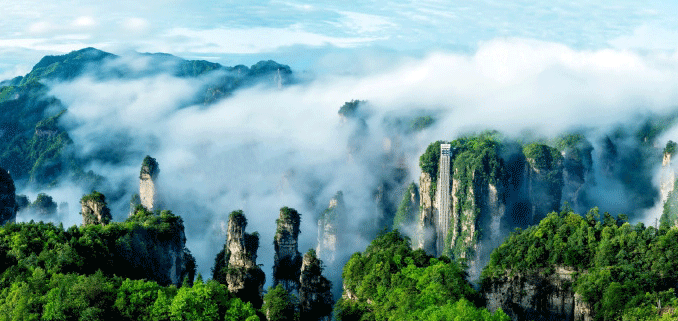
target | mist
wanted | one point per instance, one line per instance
(266, 147)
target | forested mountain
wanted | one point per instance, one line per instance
(486, 228)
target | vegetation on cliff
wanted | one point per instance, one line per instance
(390, 281)
(624, 270)
(407, 210)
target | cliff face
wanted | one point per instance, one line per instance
(328, 223)
(486, 196)
(155, 249)
(94, 209)
(236, 264)
(426, 233)
(147, 178)
(8, 204)
(287, 259)
(537, 297)
(668, 177)
(577, 173)
(315, 293)
(544, 175)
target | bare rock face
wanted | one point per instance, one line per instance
(287, 259)
(328, 224)
(94, 209)
(668, 177)
(315, 293)
(242, 275)
(8, 205)
(147, 186)
(427, 216)
(538, 297)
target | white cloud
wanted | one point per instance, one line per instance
(365, 23)
(248, 41)
(264, 148)
(135, 24)
(648, 37)
(84, 22)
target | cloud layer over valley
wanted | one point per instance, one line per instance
(266, 147)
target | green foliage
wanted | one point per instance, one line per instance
(421, 123)
(407, 211)
(428, 161)
(278, 304)
(150, 167)
(44, 205)
(542, 156)
(49, 273)
(619, 264)
(350, 108)
(390, 281)
(670, 148)
(669, 215)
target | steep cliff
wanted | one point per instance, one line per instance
(153, 246)
(147, 183)
(8, 204)
(668, 173)
(577, 170)
(94, 209)
(287, 259)
(236, 264)
(426, 230)
(408, 209)
(328, 225)
(544, 179)
(538, 296)
(315, 295)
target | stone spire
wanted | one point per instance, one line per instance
(242, 275)
(327, 228)
(94, 209)
(287, 259)
(147, 189)
(8, 205)
(315, 293)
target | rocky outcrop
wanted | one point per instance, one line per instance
(328, 223)
(155, 249)
(236, 264)
(537, 296)
(147, 183)
(426, 233)
(668, 177)
(287, 259)
(8, 204)
(577, 174)
(94, 209)
(544, 179)
(315, 295)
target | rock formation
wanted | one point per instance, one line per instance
(328, 223)
(668, 174)
(482, 189)
(577, 174)
(315, 292)
(544, 175)
(236, 265)
(147, 183)
(426, 233)
(156, 248)
(94, 209)
(287, 259)
(8, 205)
(537, 297)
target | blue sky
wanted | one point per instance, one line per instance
(298, 33)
